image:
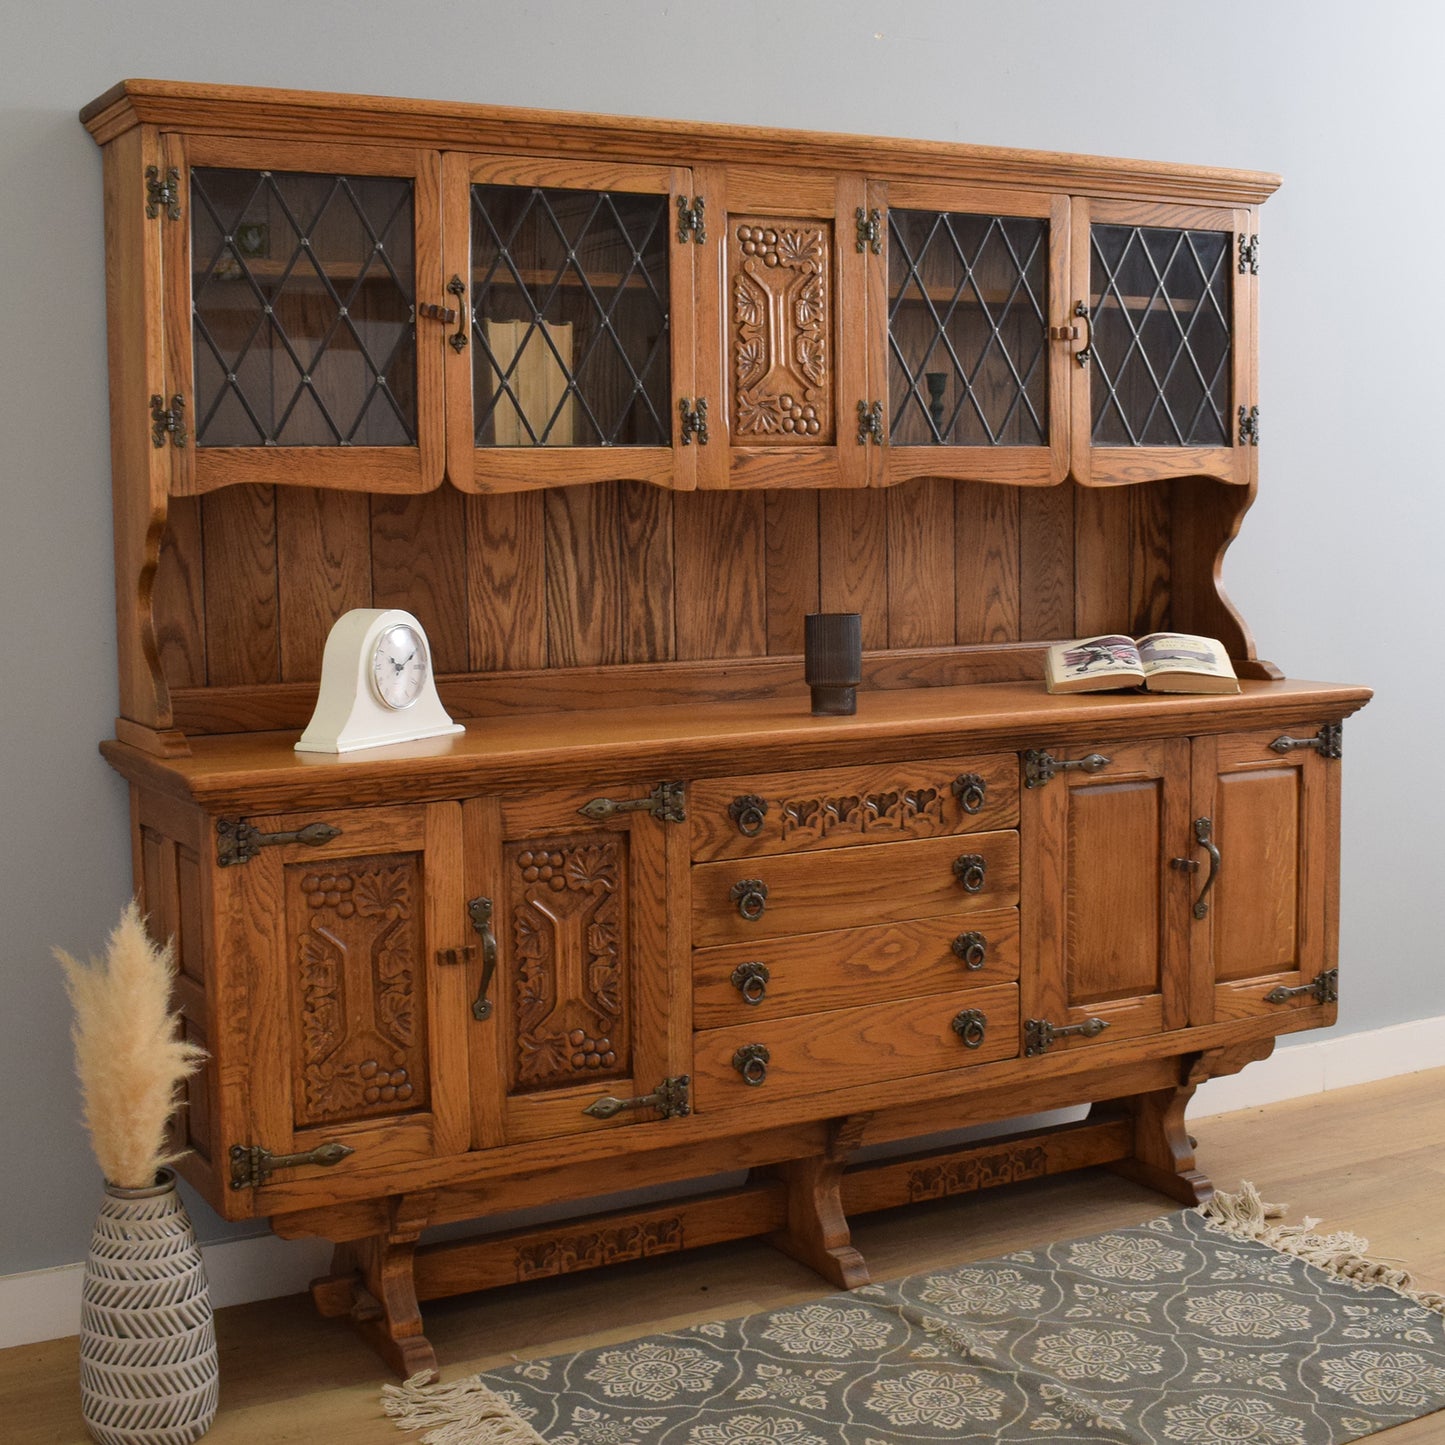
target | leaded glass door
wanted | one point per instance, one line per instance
(294, 278)
(575, 343)
(1163, 385)
(977, 282)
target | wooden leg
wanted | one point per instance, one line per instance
(817, 1232)
(372, 1282)
(1163, 1156)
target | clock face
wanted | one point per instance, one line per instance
(399, 666)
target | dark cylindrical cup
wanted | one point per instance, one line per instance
(833, 661)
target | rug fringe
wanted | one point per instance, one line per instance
(1246, 1216)
(464, 1412)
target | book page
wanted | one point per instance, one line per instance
(1109, 656)
(1180, 652)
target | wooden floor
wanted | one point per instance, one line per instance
(1371, 1159)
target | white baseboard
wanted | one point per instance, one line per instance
(44, 1304)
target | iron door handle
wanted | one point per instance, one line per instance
(1203, 835)
(480, 911)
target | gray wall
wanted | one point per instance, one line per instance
(1337, 560)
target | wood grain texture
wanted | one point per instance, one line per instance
(720, 599)
(1046, 562)
(986, 564)
(506, 582)
(178, 597)
(419, 562)
(791, 557)
(243, 642)
(921, 552)
(646, 570)
(853, 559)
(1102, 556)
(323, 564)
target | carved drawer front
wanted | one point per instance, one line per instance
(777, 978)
(749, 899)
(787, 812)
(745, 1065)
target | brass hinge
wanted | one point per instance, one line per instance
(694, 421)
(870, 423)
(1248, 255)
(238, 841)
(691, 221)
(1329, 742)
(163, 193)
(1323, 988)
(870, 230)
(669, 1098)
(1039, 1034)
(168, 421)
(252, 1166)
(665, 801)
(1249, 426)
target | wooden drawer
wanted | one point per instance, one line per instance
(846, 1048)
(841, 807)
(748, 899)
(848, 966)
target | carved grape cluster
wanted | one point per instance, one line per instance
(798, 417)
(590, 1053)
(331, 890)
(385, 1086)
(541, 866)
(758, 241)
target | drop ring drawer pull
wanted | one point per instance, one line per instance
(970, 1026)
(971, 870)
(972, 948)
(751, 980)
(748, 812)
(751, 1061)
(971, 792)
(751, 897)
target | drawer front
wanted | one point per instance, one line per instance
(842, 807)
(751, 898)
(853, 1047)
(777, 978)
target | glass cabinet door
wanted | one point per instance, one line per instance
(293, 285)
(574, 284)
(975, 386)
(1164, 299)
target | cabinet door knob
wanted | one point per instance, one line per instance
(751, 897)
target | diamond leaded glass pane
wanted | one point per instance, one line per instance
(1161, 321)
(301, 303)
(966, 329)
(570, 318)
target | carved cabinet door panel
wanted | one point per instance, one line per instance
(345, 953)
(1264, 934)
(1103, 912)
(784, 291)
(585, 966)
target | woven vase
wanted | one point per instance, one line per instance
(148, 1372)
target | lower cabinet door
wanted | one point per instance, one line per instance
(341, 1039)
(1105, 947)
(1263, 938)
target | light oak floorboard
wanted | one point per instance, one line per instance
(1370, 1159)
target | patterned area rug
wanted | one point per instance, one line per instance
(1199, 1328)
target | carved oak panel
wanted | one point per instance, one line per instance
(356, 929)
(780, 338)
(567, 917)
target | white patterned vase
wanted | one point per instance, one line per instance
(148, 1372)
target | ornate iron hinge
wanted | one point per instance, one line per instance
(665, 801)
(238, 841)
(669, 1098)
(163, 194)
(1040, 766)
(870, 230)
(1249, 426)
(1324, 988)
(252, 1166)
(694, 421)
(1248, 255)
(1039, 1034)
(1329, 742)
(870, 423)
(168, 421)
(691, 221)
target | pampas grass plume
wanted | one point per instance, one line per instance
(129, 1055)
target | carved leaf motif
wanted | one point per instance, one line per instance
(748, 309)
(751, 357)
(333, 1088)
(798, 248)
(382, 892)
(541, 1057)
(758, 414)
(592, 869)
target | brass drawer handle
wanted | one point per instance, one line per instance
(751, 1061)
(971, 870)
(751, 897)
(748, 813)
(970, 1026)
(480, 911)
(972, 948)
(971, 792)
(751, 980)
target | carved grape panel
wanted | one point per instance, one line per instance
(356, 926)
(567, 916)
(780, 341)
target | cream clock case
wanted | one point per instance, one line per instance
(376, 685)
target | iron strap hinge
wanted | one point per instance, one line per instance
(1039, 1034)
(1329, 742)
(870, 230)
(669, 1098)
(1323, 988)
(694, 421)
(163, 194)
(1248, 255)
(238, 841)
(168, 421)
(252, 1166)
(1249, 426)
(665, 801)
(1040, 766)
(691, 220)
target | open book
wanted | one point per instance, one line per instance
(1161, 662)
